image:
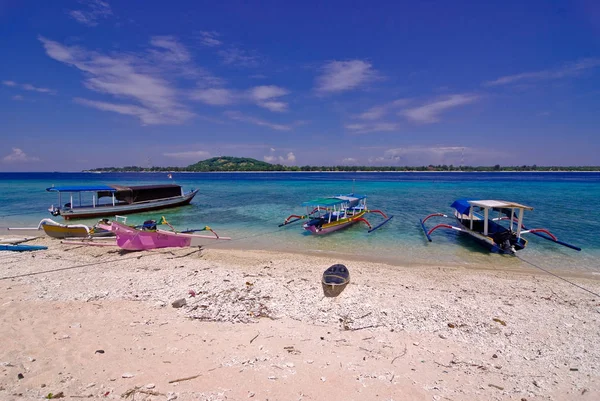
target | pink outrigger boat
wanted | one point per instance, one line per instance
(132, 239)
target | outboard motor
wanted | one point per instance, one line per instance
(502, 239)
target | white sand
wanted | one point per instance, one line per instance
(261, 328)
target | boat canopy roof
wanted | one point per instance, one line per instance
(463, 205)
(82, 188)
(333, 200)
(498, 204)
(112, 188)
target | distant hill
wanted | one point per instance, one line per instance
(228, 163)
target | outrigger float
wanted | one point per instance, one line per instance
(326, 215)
(475, 218)
(58, 230)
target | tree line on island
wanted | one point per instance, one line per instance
(228, 163)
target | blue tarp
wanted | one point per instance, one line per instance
(82, 188)
(462, 205)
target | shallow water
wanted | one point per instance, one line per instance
(249, 206)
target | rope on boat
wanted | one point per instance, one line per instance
(557, 276)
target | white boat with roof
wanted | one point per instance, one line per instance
(110, 200)
(483, 220)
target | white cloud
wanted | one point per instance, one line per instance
(263, 95)
(191, 155)
(96, 9)
(449, 155)
(18, 156)
(28, 87)
(429, 113)
(365, 128)
(239, 57)
(379, 111)
(210, 38)
(349, 161)
(237, 116)
(124, 76)
(568, 70)
(18, 97)
(173, 51)
(339, 76)
(146, 116)
(215, 96)
(288, 159)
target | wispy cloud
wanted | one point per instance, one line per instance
(340, 76)
(95, 10)
(18, 97)
(455, 155)
(190, 155)
(263, 96)
(237, 116)
(28, 87)
(215, 96)
(365, 128)
(568, 70)
(430, 112)
(379, 111)
(169, 49)
(349, 161)
(239, 57)
(18, 156)
(125, 76)
(210, 38)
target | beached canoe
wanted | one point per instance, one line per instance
(22, 248)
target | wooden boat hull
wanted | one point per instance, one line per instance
(488, 242)
(132, 239)
(99, 211)
(64, 231)
(333, 226)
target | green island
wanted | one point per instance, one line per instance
(243, 164)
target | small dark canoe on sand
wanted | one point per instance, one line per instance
(336, 275)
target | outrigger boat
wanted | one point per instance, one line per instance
(326, 215)
(148, 236)
(122, 200)
(475, 218)
(57, 230)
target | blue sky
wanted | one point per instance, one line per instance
(96, 83)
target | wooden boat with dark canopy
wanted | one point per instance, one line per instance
(110, 200)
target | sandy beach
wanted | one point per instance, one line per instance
(98, 323)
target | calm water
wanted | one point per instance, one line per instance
(248, 207)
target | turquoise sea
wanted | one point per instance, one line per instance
(249, 206)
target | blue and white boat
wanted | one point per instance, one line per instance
(476, 218)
